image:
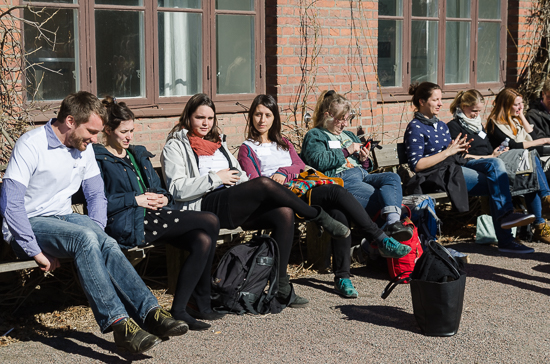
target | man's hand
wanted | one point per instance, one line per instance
(46, 263)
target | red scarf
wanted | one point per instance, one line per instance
(201, 146)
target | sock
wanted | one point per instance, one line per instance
(117, 321)
(392, 217)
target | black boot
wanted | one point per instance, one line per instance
(130, 337)
(159, 322)
(285, 290)
(334, 227)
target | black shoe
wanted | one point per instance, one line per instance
(159, 322)
(209, 316)
(132, 338)
(198, 325)
(285, 291)
(399, 232)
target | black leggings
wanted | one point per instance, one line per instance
(260, 204)
(197, 233)
(342, 206)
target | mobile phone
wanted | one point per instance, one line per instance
(236, 169)
(371, 143)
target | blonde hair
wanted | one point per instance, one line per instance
(466, 99)
(330, 106)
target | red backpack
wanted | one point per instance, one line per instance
(405, 265)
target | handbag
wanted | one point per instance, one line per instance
(309, 179)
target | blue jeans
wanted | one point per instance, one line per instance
(109, 281)
(375, 192)
(534, 200)
(487, 177)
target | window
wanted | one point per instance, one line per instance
(154, 54)
(457, 44)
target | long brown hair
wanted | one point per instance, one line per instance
(192, 105)
(502, 107)
(331, 103)
(274, 133)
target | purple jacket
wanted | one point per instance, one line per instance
(251, 164)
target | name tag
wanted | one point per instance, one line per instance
(333, 144)
(482, 134)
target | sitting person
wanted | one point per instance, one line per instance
(201, 174)
(339, 153)
(267, 153)
(466, 108)
(138, 214)
(429, 146)
(48, 165)
(506, 120)
(539, 112)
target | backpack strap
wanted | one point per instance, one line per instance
(394, 283)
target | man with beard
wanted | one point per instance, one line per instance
(48, 165)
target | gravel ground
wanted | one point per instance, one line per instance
(505, 320)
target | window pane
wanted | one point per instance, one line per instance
(390, 7)
(120, 53)
(235, 54)
(190, 4)
(457, 52)
(235, 4)
(390, 50)
(488, 50)
(489, 9)
(458, 8)
(424, 51)
(425, 8)
(54, 73)
(180, 54)
(120, 2)
(59, 1)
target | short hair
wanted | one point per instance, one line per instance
(81, 105)
(274, 132)
(332, 103)
(466, 98)
(117, 112)
(192, 105)
(422, 91)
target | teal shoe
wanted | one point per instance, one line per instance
(345, 288)
(391, 248)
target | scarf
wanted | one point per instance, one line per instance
(472, 125)
(201, 146)
(424, 120)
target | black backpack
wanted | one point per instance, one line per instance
(240, 280)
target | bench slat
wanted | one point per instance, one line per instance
(13, 266)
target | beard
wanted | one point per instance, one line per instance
(77, 142)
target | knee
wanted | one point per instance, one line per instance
(393, 179)
(212, 221)
(87, 239)
(499, 165)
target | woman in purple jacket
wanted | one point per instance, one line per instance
(267, 153)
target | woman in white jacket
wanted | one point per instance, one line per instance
(202, 175)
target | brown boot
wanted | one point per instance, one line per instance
(546, 205)
(542, 233)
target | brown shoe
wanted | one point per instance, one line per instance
(542, 233)
(546, 205)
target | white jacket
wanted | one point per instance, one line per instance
(181, 172)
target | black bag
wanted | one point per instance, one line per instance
(240, 281)
(437, 290)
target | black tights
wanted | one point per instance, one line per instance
(197, 233)
(260, 204)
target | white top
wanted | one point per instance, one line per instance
(271, 156)
(215, 162)
(51, 174)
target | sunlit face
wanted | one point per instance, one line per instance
(472, 111)
(262, 119)
(517, 107)
(431, 107)
(202, 120)
(338, 124)
(85, 133)
(121, 137)
(546, 99)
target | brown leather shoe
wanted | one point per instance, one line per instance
(546, 205)
(542, 233)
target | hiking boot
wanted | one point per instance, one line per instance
(391, 248)
(546, 205)
(514, 219)
(345, 288)
(515, 247)
(542, 233)
(398, 231)
(161, 323)
(132, 338)
(285, 290)
(335, 228)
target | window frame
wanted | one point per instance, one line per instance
(400, 93)
(152, 104)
